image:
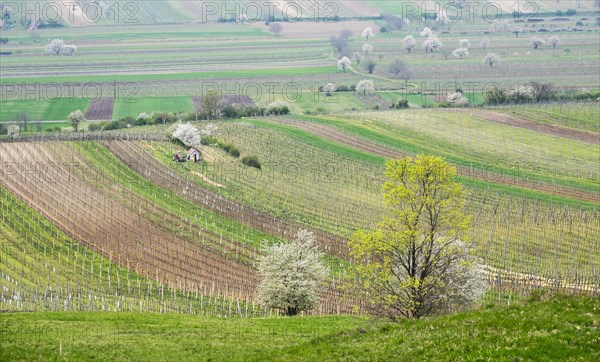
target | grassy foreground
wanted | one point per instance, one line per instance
(559, 329)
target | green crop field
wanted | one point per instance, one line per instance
(42, 110)
(134, 106)
(112, 250)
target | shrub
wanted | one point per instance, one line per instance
(3, 130)
(209, 141)
(98, 126)
(140, 122)
(251, 161)
(279, 108)
(495, 95)
(113, 125)
(234, 152)
(227, 147)
(570, 12)
(401, 104)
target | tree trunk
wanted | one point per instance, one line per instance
(292, 311)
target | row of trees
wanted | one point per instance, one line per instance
(523, 93)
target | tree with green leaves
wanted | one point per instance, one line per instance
(417, 261)
(212, 105)
(75, 118)
(22, 119)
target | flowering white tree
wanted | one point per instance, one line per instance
(464, 43)
(485, 43)
(329, 89)
(188, 135)
(291, 275)
(491, 59)
(461, 52)
(210, 130)
(58, 47)
(344, 63)
(536, 42)
(365, 87)
(522, 92)
(55, 47)
(408, 43)
(432, 43)
(75, 118)
(13, 131)
(367, 48)
(367, 33)
(457, 99)
(555, 40)
(426, 32)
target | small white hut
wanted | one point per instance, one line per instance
(194, 155)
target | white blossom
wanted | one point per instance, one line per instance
(461, 52)
(329, 89)
(426, 32)
(432, 43)
(344, 63)
(291, 275)
(457, 99)
(13, 131)
(408, 43)
(365, 87)
(536, 42)
(188, 135)
(491, 59)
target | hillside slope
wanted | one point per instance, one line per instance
(560, 329)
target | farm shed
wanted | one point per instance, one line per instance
(194, 155)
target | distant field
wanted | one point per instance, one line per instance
(55, 110)
(134, 106)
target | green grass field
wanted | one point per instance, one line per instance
(555, 330)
